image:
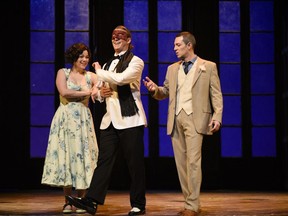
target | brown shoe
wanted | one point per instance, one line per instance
(180, 213)
(188, 212)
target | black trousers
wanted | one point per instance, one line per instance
(131, 141)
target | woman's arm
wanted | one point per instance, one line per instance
(61, 84)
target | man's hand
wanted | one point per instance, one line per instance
(105, 91)
(96, 66)
(150, 85)
(215, 126)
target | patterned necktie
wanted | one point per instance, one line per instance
(186, 66)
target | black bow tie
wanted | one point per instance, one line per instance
(116, 57)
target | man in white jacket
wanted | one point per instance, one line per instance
(122, 126)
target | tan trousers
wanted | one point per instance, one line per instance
(187, 146)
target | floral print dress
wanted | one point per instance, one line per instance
(72, 150)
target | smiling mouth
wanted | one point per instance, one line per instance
(116, 43)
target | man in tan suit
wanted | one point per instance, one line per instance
(195, 109)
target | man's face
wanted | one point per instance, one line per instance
(120, 40)
(180, 48)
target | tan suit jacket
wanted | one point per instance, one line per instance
(206, 95)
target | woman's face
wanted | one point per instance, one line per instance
(82, 60)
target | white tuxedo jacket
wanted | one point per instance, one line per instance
(132, 75)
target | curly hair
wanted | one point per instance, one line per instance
(74, 51)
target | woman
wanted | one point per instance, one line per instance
(72, 150)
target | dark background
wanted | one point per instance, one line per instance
(19, 171)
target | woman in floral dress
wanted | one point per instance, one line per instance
(72, 150)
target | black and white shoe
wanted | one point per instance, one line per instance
(83, 203)
(136, 211)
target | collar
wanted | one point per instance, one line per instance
(121, 53)
(193, 60)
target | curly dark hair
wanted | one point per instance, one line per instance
(74, 51)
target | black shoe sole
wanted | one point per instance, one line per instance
(77, 204)
(143, 212)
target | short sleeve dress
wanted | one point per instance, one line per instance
(72, 150)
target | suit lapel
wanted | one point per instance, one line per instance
(199, 69)
(173, 84)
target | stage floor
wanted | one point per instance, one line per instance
(216, 203)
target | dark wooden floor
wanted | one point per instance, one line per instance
(220, 203)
